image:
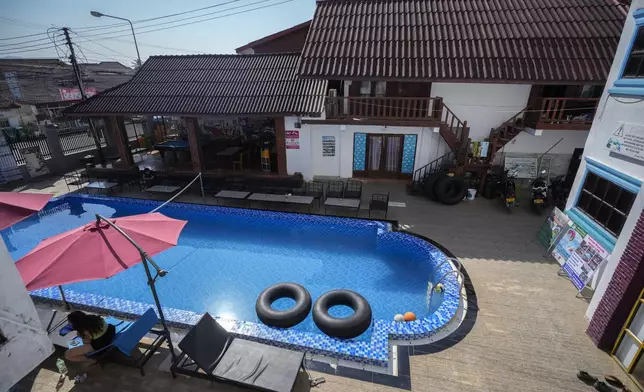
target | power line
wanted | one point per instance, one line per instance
(101, 45)
(182, 19)
(22, 36)
(156, 18)
(24, 48)
(199, 21)
(25, 42)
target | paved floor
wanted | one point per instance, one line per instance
(529, 332)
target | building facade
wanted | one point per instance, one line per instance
(23, 342)
(607, 200)
(417, 80)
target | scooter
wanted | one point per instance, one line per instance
(508, 190)
(559, 192)
(539, 194)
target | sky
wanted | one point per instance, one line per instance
(220, 35)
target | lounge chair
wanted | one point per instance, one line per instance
(210, 352)
(128, 336)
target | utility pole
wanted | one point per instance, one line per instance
(79, 80)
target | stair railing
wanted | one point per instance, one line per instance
(421, 173)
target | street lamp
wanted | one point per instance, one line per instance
(98, 15)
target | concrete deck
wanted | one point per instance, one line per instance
(529, 331)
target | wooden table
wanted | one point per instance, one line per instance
(106, 185)
(292, 199)
(342, 203)
(233, 195)
(163, 189)
(228, 152)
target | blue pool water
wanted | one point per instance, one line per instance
(224, 259)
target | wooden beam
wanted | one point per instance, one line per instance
(192, 129)
(280, 145)
(118, 135)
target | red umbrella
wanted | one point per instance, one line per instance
(97, 250)
(102, 249)
(15, 206)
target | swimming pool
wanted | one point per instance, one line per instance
(226, 256)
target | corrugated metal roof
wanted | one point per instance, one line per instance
(212, 85)
(509, 40)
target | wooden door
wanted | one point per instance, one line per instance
(384, 155)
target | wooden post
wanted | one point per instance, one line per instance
(280, 145)
(194, 142)
(118, 135)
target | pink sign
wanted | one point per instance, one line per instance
(73, 94)
(292, 140)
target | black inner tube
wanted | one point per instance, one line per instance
(345, 327)
(283, 318)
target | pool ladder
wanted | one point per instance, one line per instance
(457, 271)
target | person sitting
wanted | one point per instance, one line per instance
(95, 332)
(147, 177)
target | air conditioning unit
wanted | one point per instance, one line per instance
(333, 92)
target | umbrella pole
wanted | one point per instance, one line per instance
(62, 295)
(145, 258)
(151, 282)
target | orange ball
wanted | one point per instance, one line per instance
(409, 316)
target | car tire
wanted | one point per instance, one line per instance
(428, 185)
(450, 190)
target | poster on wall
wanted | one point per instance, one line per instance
(521, 167)
(328, 146)
(584, 261)
(74, 94)
(292, 140)
(34, 161)
(580, 255)
(628, 140)
(553, 229)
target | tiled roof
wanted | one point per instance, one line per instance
(262, 84)
(40, 80)
(495, 40)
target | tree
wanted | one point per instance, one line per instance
(136, 64)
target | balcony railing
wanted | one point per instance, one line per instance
(401, 108)
(566, 113)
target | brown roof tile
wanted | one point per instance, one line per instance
(259, 84)
(509, 40)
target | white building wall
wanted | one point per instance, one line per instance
(27, 345)
(613, 110)
(309, 161)
(484, 106)
(528, 145)
(24, 115)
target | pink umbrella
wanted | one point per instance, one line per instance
(97, 250)
(15, 206)
(102, 249)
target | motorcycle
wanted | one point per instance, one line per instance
(508, 190)
(539, 194)
(559, 192)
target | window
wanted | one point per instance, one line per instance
(381, 89)
(365, 88)
(634, 68)
(605, 203)
(631, 75)
(4, 122)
